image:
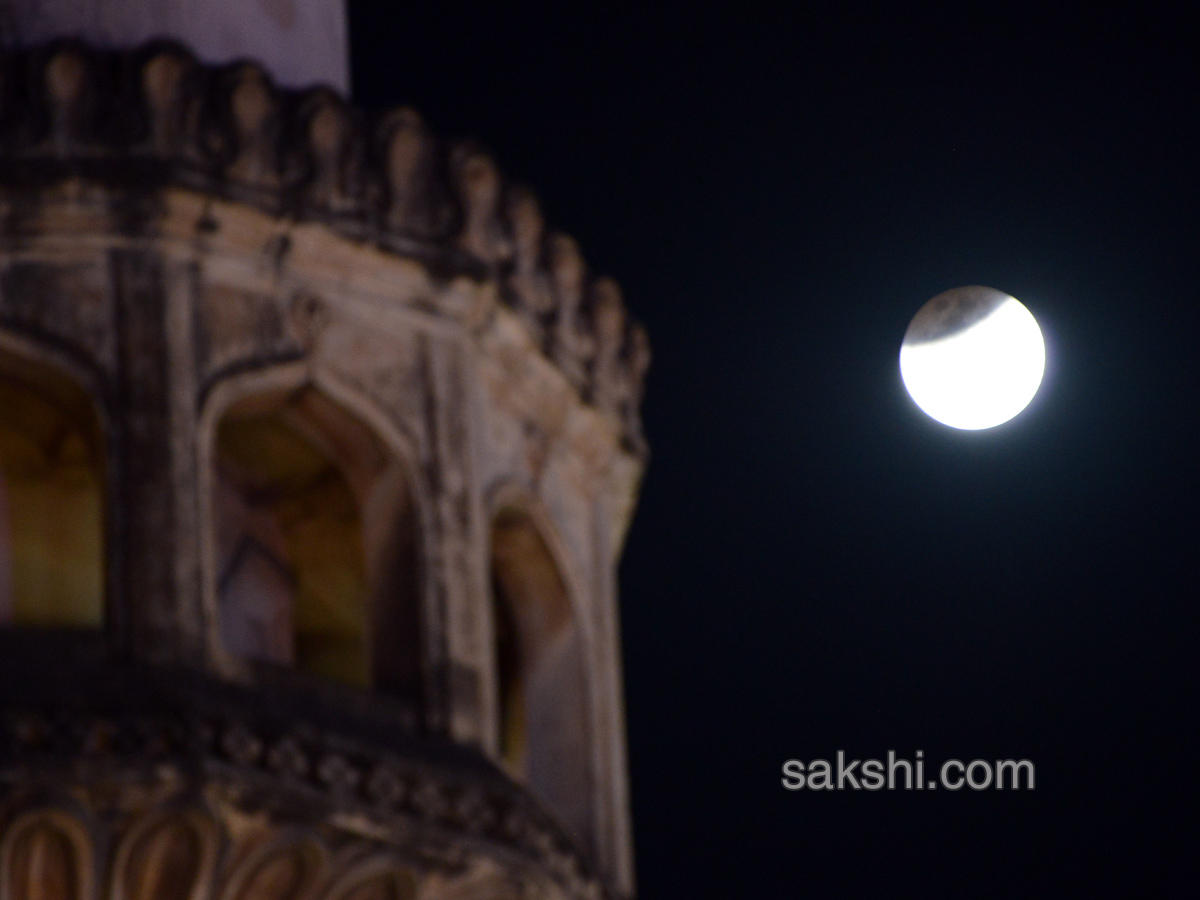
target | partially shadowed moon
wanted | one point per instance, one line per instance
(972, 357)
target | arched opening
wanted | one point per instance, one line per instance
(47, 855)
(171, 859)
(317, 562)
(544, 735)
(51, 499)
(284, 869)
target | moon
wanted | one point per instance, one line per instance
(973, 357)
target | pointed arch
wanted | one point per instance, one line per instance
(314, 558)
(289, 866)
(168, 855)
(541, 671)
(46, 854)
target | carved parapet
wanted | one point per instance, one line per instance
(72, 117)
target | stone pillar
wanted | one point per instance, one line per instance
(160, 625)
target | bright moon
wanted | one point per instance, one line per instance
(973, 357)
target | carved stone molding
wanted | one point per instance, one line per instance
(115, 845)
(434, 815)
(186, 241)
(137, 121)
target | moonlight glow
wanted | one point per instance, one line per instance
(973, 357)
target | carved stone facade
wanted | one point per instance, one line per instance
(364, 443)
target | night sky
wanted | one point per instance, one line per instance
(815, 565)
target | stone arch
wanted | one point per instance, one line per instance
(46, 855)
(279, 441)
(541, 669)
(290, 866)
(165, 856)
(53, 488)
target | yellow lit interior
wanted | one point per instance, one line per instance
(513, 726)
(52, 465)
(262, 449)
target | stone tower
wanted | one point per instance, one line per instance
(317, 452)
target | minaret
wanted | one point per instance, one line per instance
(300, 42)
(318, 450)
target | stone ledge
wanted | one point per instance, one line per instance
(138, 121)
(96, 721)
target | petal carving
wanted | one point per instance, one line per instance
(46, 855)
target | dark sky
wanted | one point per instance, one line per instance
(815, 565)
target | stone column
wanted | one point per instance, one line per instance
(154, 484)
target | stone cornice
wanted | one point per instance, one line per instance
(152, 117)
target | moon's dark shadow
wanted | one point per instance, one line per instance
(952, 312)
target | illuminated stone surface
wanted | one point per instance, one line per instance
(355, 407)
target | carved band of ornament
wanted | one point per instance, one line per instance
(50, 852)
(156, 115)
(372, 783)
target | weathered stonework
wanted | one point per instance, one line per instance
(183, 240)
(239, 766)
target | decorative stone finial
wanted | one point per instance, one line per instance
(66, 85)
(478, 183)
(333, 170)
(233, 132)
(408, 164)
(529, 280)
(254, 118)
(609, 378)
(622, 359)
(169, 112)
(571, 347)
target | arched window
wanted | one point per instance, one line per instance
(51, 499)
(316, 542)
(544, 735)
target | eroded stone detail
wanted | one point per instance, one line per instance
(243, 832)
(232, 132)
(529, 280)
(572, 346)
(197, 249)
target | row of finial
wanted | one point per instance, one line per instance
(311, 155)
